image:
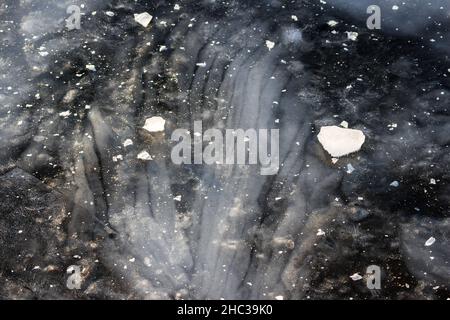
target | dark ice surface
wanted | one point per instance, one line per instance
(67, 199)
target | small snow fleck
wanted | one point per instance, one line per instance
(270, 45)
(147, 262)
(395, 8)
(65, 113)
(352, 35)
(356, 277)
(162, 48)
(201, 64)
(127, 142)
(394, 184)
(279, 298)
(144, 155)
(294, 17)
(332, 23)
(344, 124)
(432, 181)
(154, 124)
(109, 13)
(176, 7)
(20, 231)
(132, 260)
(90, 67)
(177, 198)
(43, 53)
(392, 125)
(430, 242)
(320, 232)
(117, 158)
(350, 168)
(143, 18)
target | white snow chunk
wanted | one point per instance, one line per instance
(270, 44)
(91, 67)
(162, 48)
(176, 7)
(394, 184)
(352, 35)
(43, 53)
(394, 8)
(127, 142)
(430, 242)
(339, 142)
(201, 64)
(432, 181)
(344, 124)
(109, 13)
(356, 277)
(144, 155)
(65, 113)
(332, 23)
(294, 17)
(320, 232)
(154, 124)
(279, 298)
(350, 168)
(143, 18)
(117, 158)
(177, 198)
